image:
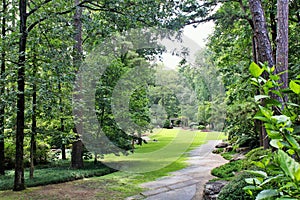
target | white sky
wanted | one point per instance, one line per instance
(196, 35)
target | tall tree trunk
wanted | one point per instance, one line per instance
(19, 183)
(62, 126)
(77, 146)
(282, 43)
(273, 26)
(77, 154)
(263, 46)
(33, 124)
(2, 90)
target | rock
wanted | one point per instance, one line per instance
(216, 151)
(222, 145)
(229, 148)
(212, 189)
(242, 150)
(240, 156)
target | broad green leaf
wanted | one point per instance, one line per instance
(275, 143)
(272, 69)
(271, 179)
(297, 175)
(261, 118)
(292, 104)
(290, 152)
(259, 164)
(269, 126)
(287, 164)
(274, 77)
(259, 97)
(253, 181)
(277, 93)
(251, 187)
(257, 172)
(274, 134)
(282, 119)
(266, 194)
(255, 70)
(295, 87)
(292, 141)
(266, 112)
(286, 198)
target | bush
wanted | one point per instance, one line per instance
(247, 141)
(167, 124)
(257, 153)
(234, 189)
(228, 170)
(42, 153)
(201, 127)
(228, 155)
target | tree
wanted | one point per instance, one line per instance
(2, 88)
(282, 44)
(77, 146)
(19, 183)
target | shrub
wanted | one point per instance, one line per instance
(257, 153)
(228, 170)
(234, 189)
(201, 127)
(228, 155)
(167, 124)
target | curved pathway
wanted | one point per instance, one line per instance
(188, 183)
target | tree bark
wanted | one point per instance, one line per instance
(62, 126)
(2, 90)
(77, 146)
(77, 153)
(264, 52)
(19, 183)
(282, 43)
(264, 48)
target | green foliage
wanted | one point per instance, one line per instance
(257, 154)
(234, 189)
(167, 124)
(42, 153)
(205, 80)
(201, 127)
(228, 170)
(280, 173)
(228, 155)
(56, 173)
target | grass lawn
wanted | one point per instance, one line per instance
(149, 162)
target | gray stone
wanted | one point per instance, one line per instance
(183, 184)
(229, 148)
(186, 193)
(212, 189)
(238, 157)
(222, 145)
(242, 150)
(136, 197)
(155, 191)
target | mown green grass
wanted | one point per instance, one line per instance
(165, 156)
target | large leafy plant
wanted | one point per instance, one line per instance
(279, 174)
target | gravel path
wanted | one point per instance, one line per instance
(188, 183)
